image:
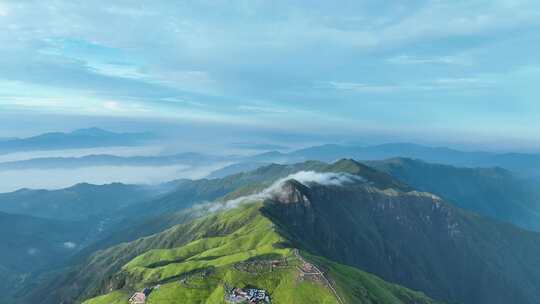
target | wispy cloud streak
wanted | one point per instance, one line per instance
(304, 177)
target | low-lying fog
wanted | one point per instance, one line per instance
(56, 178)
(118, 151)
(60, 178)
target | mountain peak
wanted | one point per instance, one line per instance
(292, 191)
(377, 178)
(348, 165)
(93, 131)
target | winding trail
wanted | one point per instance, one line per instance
(320, 273)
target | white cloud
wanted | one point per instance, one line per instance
(61, 178)
(322, 178)
(111, 105)
(117, 70)
(361, 87)
(3, 11)
(464, 82)
(444, 83)
(265, 51)
(126, 108)
(183, 101)
(413, 60)
(261, 109)
(444, 19)
(304, 177)
(70, 245)
(117, 151)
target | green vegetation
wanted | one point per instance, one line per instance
(415, 240)
(357, 286)
(115, 297)
(254, 238)
(198, 271)
(379, 226)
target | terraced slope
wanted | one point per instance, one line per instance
(240, 248)
(345, 213)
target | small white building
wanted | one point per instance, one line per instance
(137, 298)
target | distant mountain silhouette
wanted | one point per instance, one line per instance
(524, 163)
(82, 138)
(94, 160)
(365, 219)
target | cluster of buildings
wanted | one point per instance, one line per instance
(247, 295)
(140, 296)
(137, 298)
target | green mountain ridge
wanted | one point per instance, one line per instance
(416, 240)
(493, 191)
(78, 202)
(373, 223)
(226, 245)
(374, 228)
(527, 164)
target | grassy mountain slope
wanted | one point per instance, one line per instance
(375, 223)
(238, 238)
(493, 192)
(155, 215)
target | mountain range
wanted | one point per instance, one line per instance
(525, 164)
(94, 160)
(343, 232)
(493, 191)
(76, 203)
(82, 138)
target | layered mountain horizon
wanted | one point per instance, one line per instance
(99, 156)
(344, 232)
(269, 152)
(391, 223)
(80, 138)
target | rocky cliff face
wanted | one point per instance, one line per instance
(369, 221)
(411, 238)
(491, 192)
(293, 192)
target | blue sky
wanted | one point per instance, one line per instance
(447, 71)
